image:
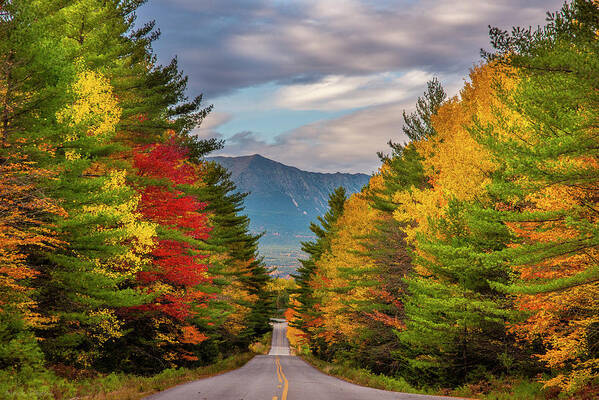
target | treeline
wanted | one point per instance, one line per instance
(473, 252)
(120, 248)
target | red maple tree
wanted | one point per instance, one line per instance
(177, 263)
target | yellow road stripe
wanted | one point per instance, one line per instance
(281, 374)
(278, 366)
(286, 388)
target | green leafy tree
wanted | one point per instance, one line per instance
(402, 170)
(53, 55)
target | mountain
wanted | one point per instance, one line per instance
(283, 201)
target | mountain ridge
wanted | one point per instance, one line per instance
(283, 200)
(257, 156)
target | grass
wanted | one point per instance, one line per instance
(129, 387)
(263, 346)
(114, 386)
(498, 389)
(363, 377)
(119, 386)
(45, 385)
(508, 388)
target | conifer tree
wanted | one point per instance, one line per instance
(86, 280)
(402, 168)
(247, 305)
(402, 171)
(547, 187)
(455, 322)
(386, 246)
(81, 87)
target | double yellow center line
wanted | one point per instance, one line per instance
(280, 375)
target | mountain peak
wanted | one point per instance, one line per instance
(258, 158)
(263, 160)
(283, 200)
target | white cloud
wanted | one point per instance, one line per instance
(208, 128)
(358, 38)
(337, 92)
(330, 55)
(231, 44)
(345, 144)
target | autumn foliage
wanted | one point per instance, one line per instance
(21, 227)
(120, 247)
(489, 219)
(177, 264)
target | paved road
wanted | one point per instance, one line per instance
(278, 376)
(279, 345)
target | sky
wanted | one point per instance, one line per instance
(321, 84)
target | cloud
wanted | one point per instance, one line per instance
(345, 144)
(337, 92)
(210, 124)
(230, 44)
(369, 56)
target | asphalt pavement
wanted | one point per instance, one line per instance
(278, 376)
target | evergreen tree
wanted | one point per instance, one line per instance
(87, 279)
(402, 169)
(418, 125)
(547, 187)
(558, 95)
(64, 115)
(32, 90)
(61, 60)
(248, 305)
(455, 322)
(387, 248)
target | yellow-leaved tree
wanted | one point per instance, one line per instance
(457, 166)
(105, 239)
(455, 322)
(345, 281)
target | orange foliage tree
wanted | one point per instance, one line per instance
(547, 188)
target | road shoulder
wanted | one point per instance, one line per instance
(366, 378)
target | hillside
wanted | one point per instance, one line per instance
(283, 201)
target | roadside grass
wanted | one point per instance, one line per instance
(508, 388)
(46, 385)
(130, 387)
(361, 376)
(114, 386)
(349, 373)
(262, 346)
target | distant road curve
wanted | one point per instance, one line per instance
(279, 376)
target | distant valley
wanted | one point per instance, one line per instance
(283, 201)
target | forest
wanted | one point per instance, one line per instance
(121, 248)
(472, 255)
